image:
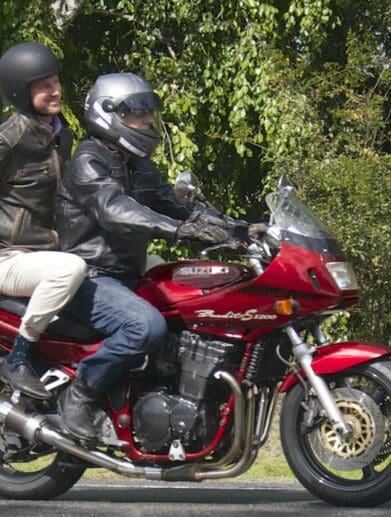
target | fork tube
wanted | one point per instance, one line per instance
(304, 358)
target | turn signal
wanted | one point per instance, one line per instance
(286, 307)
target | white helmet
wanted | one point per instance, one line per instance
(111, 98)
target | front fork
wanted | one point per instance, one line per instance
(304, 358)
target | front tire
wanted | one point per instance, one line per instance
(355, 471)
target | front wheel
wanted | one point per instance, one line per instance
(352, 471)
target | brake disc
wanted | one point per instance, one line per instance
(365, 441)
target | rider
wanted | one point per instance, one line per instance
(112, 202)
(34, 147)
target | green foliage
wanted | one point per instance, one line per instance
(252, 89)
(228, 85)
(359, 217)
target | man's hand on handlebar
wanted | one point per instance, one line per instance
(196, 228)
(214, 230)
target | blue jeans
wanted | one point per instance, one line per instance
(134, 328)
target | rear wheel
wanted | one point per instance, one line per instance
(352, 471)
(33, 471)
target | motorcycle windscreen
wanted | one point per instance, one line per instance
(294, 222)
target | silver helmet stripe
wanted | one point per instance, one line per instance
(104, 119)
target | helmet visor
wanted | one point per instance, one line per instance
(141, 111)
(143, 121)
(141, 102)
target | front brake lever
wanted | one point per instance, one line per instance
(231, 244)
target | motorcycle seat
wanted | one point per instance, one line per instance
(65, 325)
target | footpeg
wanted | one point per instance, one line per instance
(53, 378)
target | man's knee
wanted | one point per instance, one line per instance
(146, 331)
(73, 267)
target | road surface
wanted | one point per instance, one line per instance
(130, 498)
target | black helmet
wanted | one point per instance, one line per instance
(20, 65)
(112, 97)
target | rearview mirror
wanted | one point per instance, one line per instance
(186, 187)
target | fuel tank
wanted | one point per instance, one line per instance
(168, 284)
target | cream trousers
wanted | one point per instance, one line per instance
(49, 278)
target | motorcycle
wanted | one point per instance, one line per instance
(242, 334)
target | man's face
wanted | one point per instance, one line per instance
(45, 95)
(141, 121)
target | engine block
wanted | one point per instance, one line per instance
(199, 358)
(162, 415)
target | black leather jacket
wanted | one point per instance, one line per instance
(31, 159)
(108, 210)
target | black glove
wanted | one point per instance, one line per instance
(200, 230)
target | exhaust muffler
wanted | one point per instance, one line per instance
(35, 428)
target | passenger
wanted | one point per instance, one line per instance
(34, 148)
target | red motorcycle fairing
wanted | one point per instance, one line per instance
(230, 301)
(337, 357)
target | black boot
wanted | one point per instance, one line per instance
(17, 371)
(21, 376)
(77, 407)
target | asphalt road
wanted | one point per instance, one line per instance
(154, 499)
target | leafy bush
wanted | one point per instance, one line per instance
(353, 197)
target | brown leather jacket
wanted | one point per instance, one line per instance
(32, 158)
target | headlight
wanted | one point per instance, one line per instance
(343, 275)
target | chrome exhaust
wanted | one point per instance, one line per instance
(35, 428)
